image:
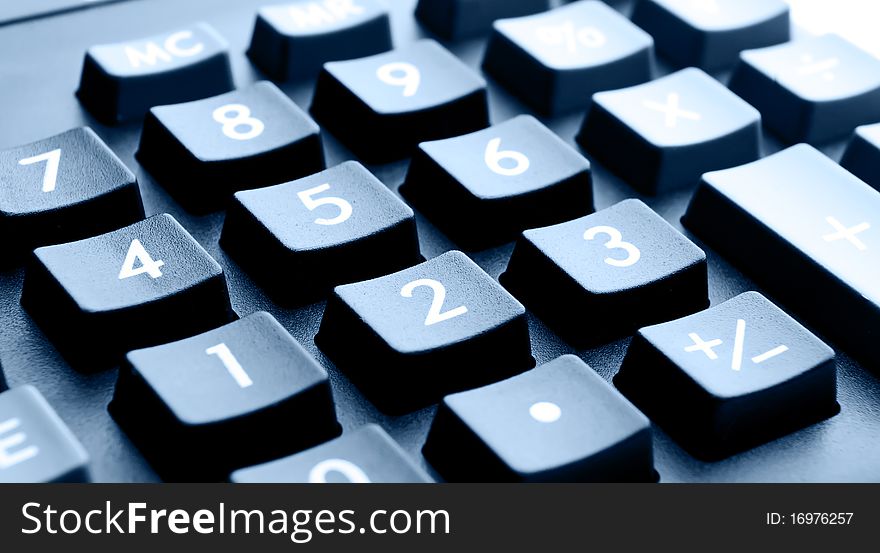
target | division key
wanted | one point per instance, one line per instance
(809, 232)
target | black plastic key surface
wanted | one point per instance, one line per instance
(408, 338)
(141, 285)
(729, 378)
(240, 394)
(35, 444)
(603, 276)
(460, 19)
(367, 455)
(862, 154)
(808, 232)
(486, 187)
(65, 187)
(555, 61)
(294, 40)
(204, 151)
(710, 34)
(302, 238)
(383, 106)
(560, 422)
(666, 133)
(122, 81)
(812, 90)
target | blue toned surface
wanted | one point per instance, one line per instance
(862, 155)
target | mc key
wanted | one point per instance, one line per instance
(602, 276)
(730, 378)
(484, 188)
(205, 150)
(241, 394)
(408, 338)
(367, 455)
(302, 238)
(141, 285)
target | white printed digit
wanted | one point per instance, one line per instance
(50, 175)
(402, 74)
(137, 253)
(435, 313)
(308, 200)
(615, 242)
(351, 472)
(241, 118)
(233, 367)
(493, 158)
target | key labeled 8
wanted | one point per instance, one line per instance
(235, 118)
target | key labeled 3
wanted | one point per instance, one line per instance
(248, 383)
(412, 94)
(206, 150)
(560, 422)
(302, 238)
(45, 199)
(367, 455)
(122, 81)
(144, 284)
(486, 187)
(619, 268)
(731, 377)
(438, 327)
(666, 133)
(554, 61)
(294, 40)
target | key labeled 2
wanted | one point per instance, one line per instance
(302, 238)
(240, 394)
(484, 188)
(409, 95)
(204, 151)
(45, 199)
(141, 285)
(618, 269)
(441, 326)
(731, 377)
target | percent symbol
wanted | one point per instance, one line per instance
(571, 37)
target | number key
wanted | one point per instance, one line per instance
(144, 284)
(407, 96)
(204, 151)
(44, 198)
(240, 394)
(438, 327)
(617, 269)
(486, 187)
(301, 238)
(731, 377)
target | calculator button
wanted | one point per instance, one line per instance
(367, 455)
(602, 276)
(408, 338)
(486, 187)
(35, 444)
(144, 284)
(122, 81)
(710, 34)
(45, 197)
(555, 61)
(294, 40)
(241, 394)
(383, 106)
(666, 133)
(460, 19)
(203, 151)
(862, 154)
(560, 422)
(812, 90)
(302, 238)
(729, 378)
(808, 232)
